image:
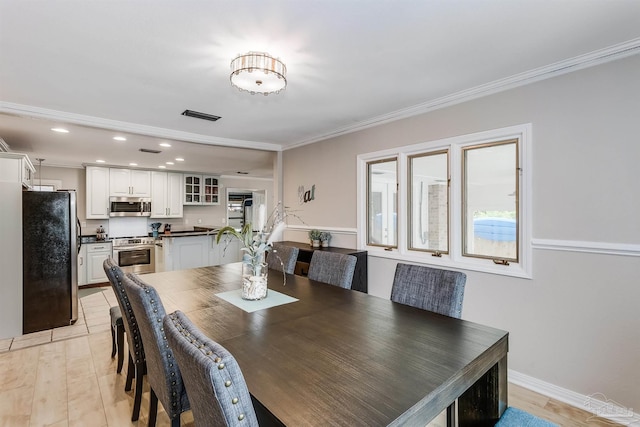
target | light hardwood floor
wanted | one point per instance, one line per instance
(66, 377)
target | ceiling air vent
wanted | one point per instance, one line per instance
(146, 150)
(199, 115)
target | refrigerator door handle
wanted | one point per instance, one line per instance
(79, 235)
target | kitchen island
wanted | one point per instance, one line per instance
(194, 248)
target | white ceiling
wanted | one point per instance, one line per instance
(101, 66)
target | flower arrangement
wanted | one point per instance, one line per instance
(255, 245)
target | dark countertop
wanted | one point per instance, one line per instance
(191, 231)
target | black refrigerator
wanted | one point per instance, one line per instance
(50, 245)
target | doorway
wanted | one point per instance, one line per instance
(240, 206)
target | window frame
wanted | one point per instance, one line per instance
(410, 158)
(454, 259)
(367, 205)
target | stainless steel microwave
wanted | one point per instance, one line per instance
(129, 206)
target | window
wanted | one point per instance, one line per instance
(490, 194)
(382, 203)
(461, 202)
(429, 202)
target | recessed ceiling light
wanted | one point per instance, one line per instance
(99, 161)
(165, 144)
(162, 167)
(179, 159)
(133, 164)
(60, 130)
(119, 138)
(170, 163)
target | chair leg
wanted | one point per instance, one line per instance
(113, 342)
(153, 409)
(139, 370)
(130, 374)
(120, 343)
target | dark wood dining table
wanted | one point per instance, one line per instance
(345, 358)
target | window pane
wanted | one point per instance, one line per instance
(429, 202)
(382, 189)
(490, 191)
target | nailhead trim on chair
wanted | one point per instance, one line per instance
(174, 390)
(209, 353)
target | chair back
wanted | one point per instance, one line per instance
(283, 258)
(333, 268)
(433, 289)
(163, 373)
(115, 275)
(217, 390)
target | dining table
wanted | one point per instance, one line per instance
(313, 354)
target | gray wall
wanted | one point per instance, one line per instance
(575, 325)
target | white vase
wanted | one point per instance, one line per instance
(254, 281)
(324, 243)
(315, 243)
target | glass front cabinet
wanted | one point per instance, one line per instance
(201, 190)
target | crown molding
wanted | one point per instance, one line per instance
(97, 122)
(591, 59)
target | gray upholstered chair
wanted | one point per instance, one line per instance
(283, 258)
(163, 374)
(117, 335)
(433, 289)
(137, 367)
(217, 391)
(333, 268)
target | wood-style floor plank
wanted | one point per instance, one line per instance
(73, 382)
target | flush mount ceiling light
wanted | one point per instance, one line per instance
(258, 72)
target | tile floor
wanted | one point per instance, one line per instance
(93, 316)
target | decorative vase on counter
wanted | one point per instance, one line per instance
(254, 281)
(315, 243)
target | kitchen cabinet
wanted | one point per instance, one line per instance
(166, 195)
(15, 167)
(97, 192)
(201, 190)
(96, 254)
(224, 252)
(184, 252)
(129, 182)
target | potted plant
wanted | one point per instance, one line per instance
(314, 236)
(325, 236)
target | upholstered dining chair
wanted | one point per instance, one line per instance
(217, 390)
(136, 368)
(117, 335)
(283, 258)
(433, 289)
(333, 268)
(163, 374)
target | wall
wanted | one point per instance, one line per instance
(575, 324)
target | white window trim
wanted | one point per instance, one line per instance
(454, 259)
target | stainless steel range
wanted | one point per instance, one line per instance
(135, 254)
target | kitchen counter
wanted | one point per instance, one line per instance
(191, 231)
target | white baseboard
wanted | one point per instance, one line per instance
(597, 403)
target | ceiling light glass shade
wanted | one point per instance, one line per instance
(258, 72)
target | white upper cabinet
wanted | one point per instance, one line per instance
(129, 182)
(16, 167)
(166, 195)
(97, 194)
